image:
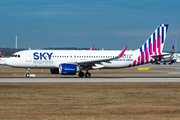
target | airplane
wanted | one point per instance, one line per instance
(70, 62)
(2, 59)
(167, 57)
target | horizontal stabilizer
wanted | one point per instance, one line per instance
(157, 56)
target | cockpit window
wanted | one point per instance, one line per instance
(16, 56)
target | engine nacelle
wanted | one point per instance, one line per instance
(68, 69)
(54, 71)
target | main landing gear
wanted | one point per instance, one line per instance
(87, 74)
(27, 75)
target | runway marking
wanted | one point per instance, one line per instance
(144, 68)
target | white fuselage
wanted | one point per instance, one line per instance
(52, 58)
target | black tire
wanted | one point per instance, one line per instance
(81, 74)
(88, 75)
(27, 75)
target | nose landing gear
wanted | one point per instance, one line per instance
(27, 75)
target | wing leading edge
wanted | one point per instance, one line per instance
(98, 61)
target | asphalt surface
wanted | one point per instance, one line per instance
(157, 70)
(89, 80)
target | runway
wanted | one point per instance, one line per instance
(104, 75)
(34, 80)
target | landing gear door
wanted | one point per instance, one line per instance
(28, 56)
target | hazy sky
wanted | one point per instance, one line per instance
(109, 24)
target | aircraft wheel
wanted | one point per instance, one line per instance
(27, 75)
(81, 74)
(87, 75)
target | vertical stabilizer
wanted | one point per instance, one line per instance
(153, 46)
(172, 51)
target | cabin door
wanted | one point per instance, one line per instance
(28, 56)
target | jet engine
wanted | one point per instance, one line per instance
(68, 69)
(65, 69)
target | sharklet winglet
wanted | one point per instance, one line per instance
(122, 53)
(92, 48)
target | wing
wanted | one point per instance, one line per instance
(90, 63)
